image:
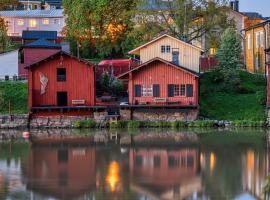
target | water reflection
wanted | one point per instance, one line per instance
(81, 171)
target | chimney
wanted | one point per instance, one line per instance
(232, 5)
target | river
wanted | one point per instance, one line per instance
(222, 165)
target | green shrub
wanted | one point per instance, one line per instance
(77, 124)
(178, 124)
(261, 97)
(88, 123)
(119, 124)
(249, 123)
(202, 123)
(134, 124)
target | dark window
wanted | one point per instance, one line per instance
(163, 49)
(156, 161)
(61, 75)
(156, 90)
(21, 57)
(138, 90)
(138, 161)
(189, 90)
(62, 155)
(175, 57)
(170, 90)
(168, 49)
(62, 99)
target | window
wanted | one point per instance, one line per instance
(213, 51)
(257, 40)
(45, 21)
(56, 21)
(261, 39)
(20, 22)
(183, 90)
(61, 74)
(147, 90)
(165, 48)
(176, 90)
(32, 23)
(248, 41)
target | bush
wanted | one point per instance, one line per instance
(119, 124)
(249, 123)
(134, 124)
(261, 97)
(202, 123)
(88, 123)
(216, 76)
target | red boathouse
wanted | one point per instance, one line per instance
(163, 85)
(61, 83)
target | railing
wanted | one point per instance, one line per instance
(14, 77)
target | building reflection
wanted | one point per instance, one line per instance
(61, 172)
(165, 174)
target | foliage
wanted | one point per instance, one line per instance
(111, 85)
(266, 188)
(88, 123)
(4, 39)
(202, 123)
(249, 123)
(4, 4)
(216, 102)
(16, 94)
(134, 124)
(100, 24)
(119, 124)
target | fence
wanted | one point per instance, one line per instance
(14, 77)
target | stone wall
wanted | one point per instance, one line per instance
(13, 121)
(166, 116)
(125, 114)
(100, 117)
(55, 122)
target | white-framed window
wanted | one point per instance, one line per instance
(20, 22)
(56, 21)
(248, 41)
(165, 49)
(183, 90)
(261, 39)
(257, 40)
(176, 90)
(45, 21)
(32, 23)
(147, 90)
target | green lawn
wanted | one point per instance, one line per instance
(245, 104)
(15, 95)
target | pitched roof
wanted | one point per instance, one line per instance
(254, 15)
(56, 54)
(160, 37)
(34, 35)
(43, 43)
(163, 61)
(258, 25)
(33, 13)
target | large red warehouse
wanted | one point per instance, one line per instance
(61, 82)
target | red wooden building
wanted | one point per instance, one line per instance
(268, 82)
(159, 82)
(36, 51)
(63, 83)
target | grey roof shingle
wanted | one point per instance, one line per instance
(35, 35)
(33, 13)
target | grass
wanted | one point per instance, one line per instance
(15, 95)
(245, 104)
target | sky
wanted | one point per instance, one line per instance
(260, 6)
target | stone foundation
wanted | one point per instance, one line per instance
(100, 117)
(125, 114)
(55, 122)
(14, 121)
(190, 115)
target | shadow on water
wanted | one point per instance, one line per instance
(68, 164)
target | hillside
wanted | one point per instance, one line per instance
(247, 102)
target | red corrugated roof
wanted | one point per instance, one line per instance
(118, 62)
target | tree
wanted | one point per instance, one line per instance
(4, 39)
(99, 25)
(190, 20)
(229, 57)
(4, 4)
(230, 51)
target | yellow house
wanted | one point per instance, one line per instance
(172, 50)
(257, 39)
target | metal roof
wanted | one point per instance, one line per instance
(32, 13)
(34, 35)
(43, 43)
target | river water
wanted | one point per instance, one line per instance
(223, 165)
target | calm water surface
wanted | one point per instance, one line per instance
(226, 165)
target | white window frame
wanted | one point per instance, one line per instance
(257, 40)
(31, 25)
(262, 39)
(147, 90)
(248, 41)
(183, 90)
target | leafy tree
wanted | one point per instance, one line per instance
(229, 56)
(101, 25)
(4, 4)
(111, 85)
(4, 39)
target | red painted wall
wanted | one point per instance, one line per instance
(32, 55)
(268, 89)
(80, 82)
(160, 73)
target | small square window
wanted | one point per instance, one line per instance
(61, 75)
(163, 49)
(32, 23)
(45, 21)
(20, 22)
(57, 21)
(176, 90)
(168, 49)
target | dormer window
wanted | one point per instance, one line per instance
(165, 49)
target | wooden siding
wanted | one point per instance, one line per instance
(79, 85)
(189, 56)
(160, 73)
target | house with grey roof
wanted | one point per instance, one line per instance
(40, 4)
(37, 20)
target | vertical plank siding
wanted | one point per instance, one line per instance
(189, 57)
(162, 74)
(79, 85)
